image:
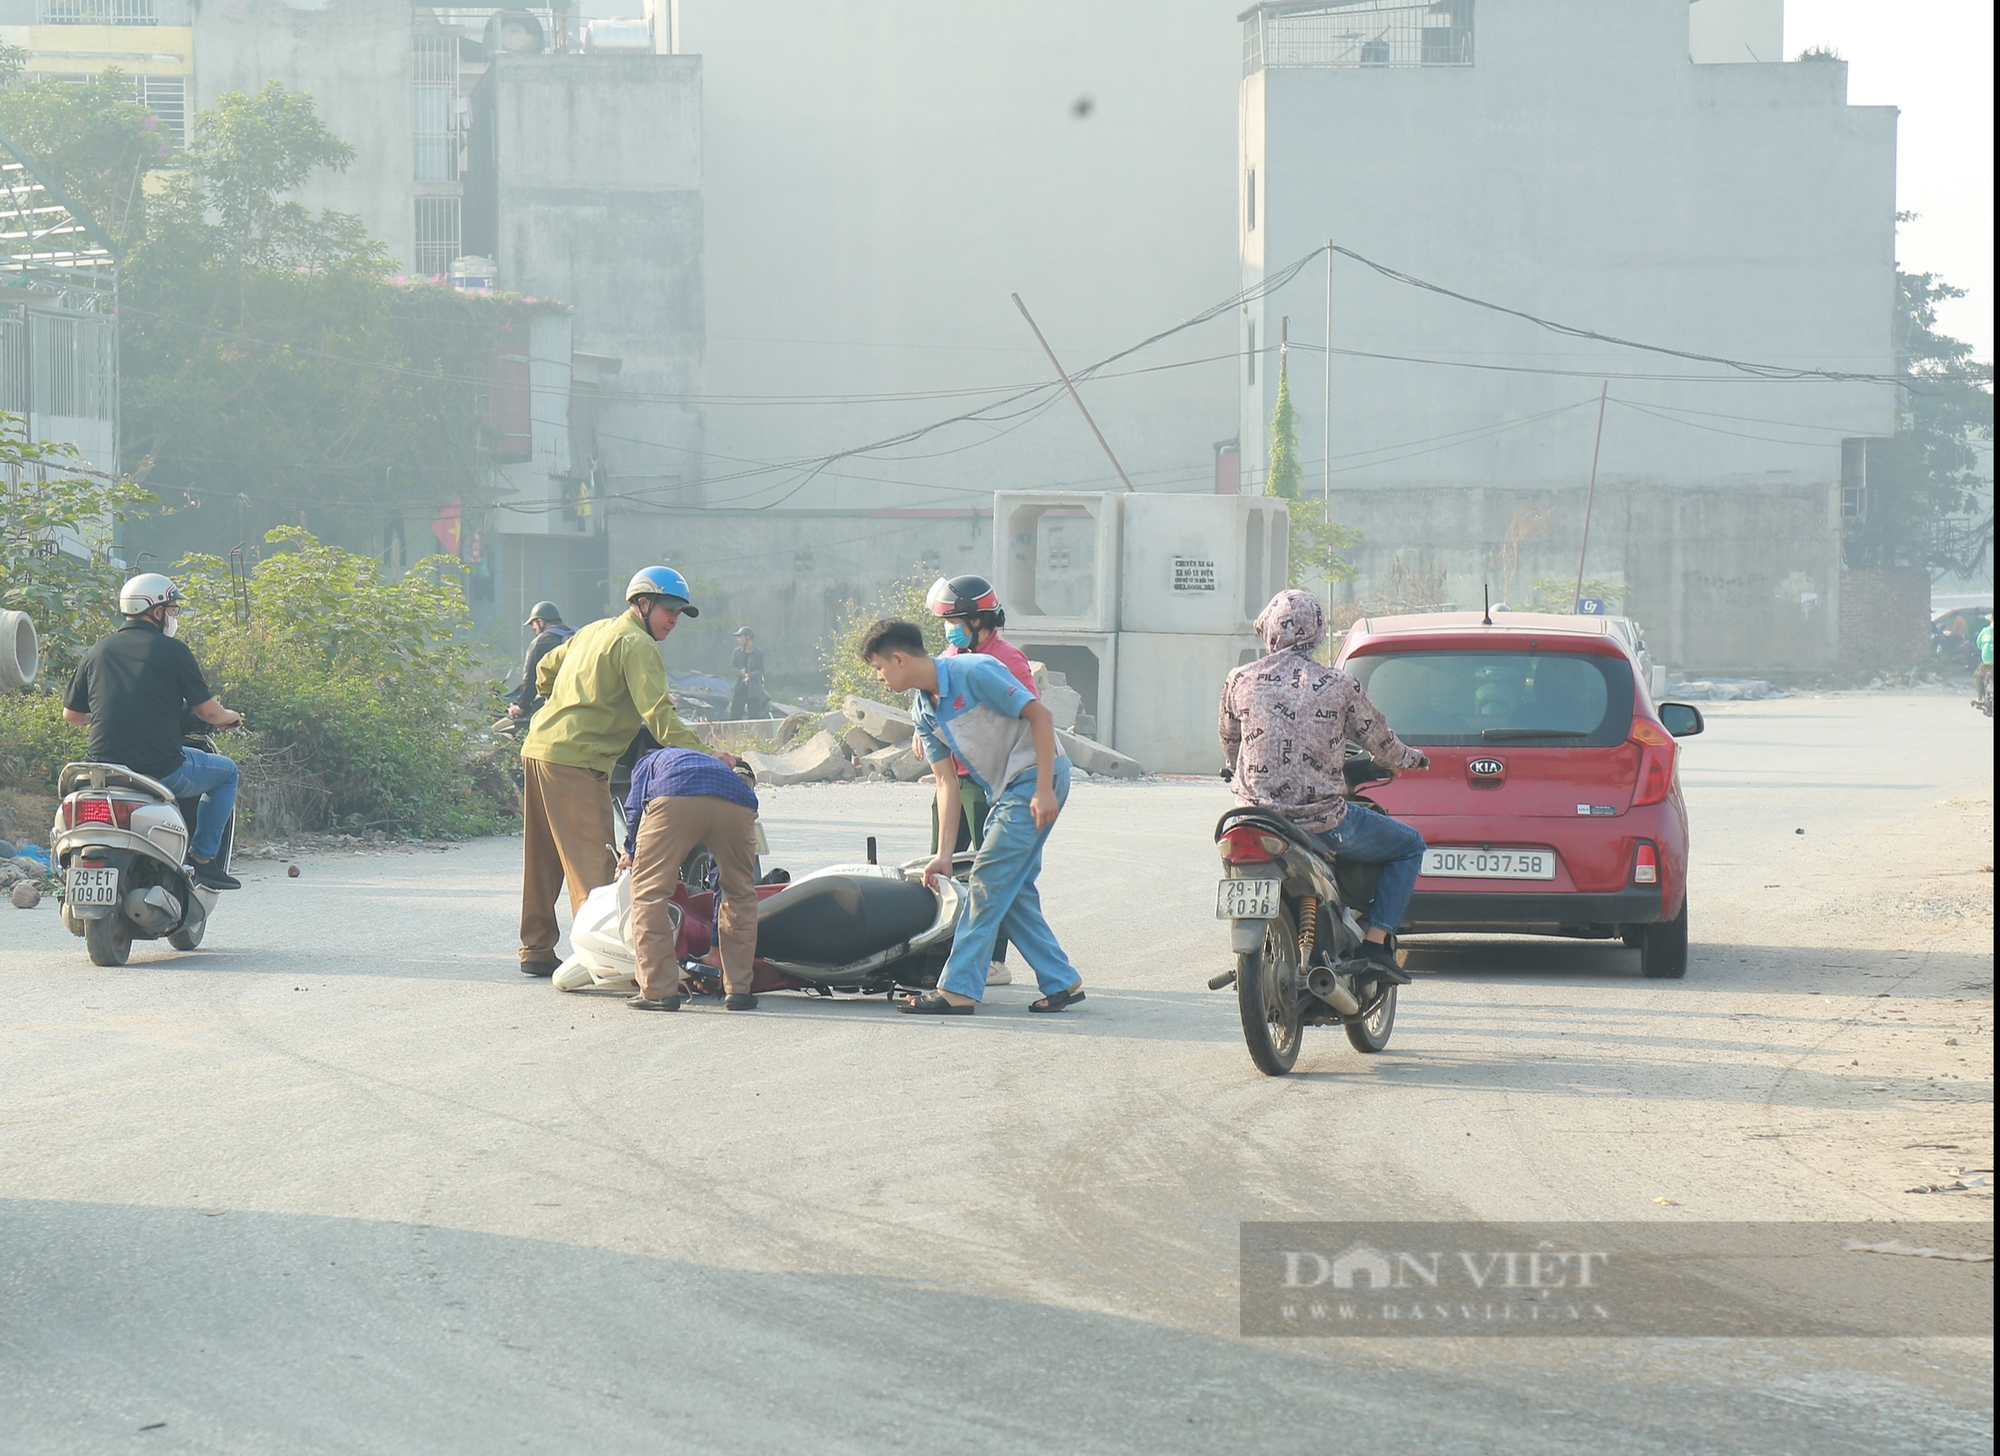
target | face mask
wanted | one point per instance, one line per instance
(957, 636)
(172, 626)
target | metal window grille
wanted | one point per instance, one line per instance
(14, 365)
(111, 12)
(1343, 33)
(57, 364)
(436, 91)
(164, 96)
(437, 235)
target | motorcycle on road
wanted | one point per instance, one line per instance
(120, 844)
(1292, 909)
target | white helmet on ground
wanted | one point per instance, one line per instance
(146, 591)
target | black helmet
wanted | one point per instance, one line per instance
(544, 611)
(963, 596)
(746, 632)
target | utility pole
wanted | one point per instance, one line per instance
(1326, 465)
(1576, 597)
(1061, 374)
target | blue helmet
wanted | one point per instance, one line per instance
(664, 582)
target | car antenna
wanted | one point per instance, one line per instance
(1486, 589)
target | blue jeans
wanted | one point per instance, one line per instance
(1369, 836)
(1004, 897)
(210, 777)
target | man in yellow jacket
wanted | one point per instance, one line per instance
(601, 685)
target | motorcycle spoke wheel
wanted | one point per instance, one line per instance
(1267, 999)
(1370, 1033)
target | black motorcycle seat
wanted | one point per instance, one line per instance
(838, 919)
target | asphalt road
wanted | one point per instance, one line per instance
(344, 1181)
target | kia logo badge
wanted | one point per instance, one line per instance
(1486, 768)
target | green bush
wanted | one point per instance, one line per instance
(363, 703)
(847, 675)
(35, 742)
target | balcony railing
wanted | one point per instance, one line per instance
(111, 12)
(1356, 33)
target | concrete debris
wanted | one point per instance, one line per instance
(1094, 758)
(1063, 701)
(860, 742)
(25, 896)
(795, 724)
(1722, 690)
(883, 722)
(895, 761)
(833, 722)
(821, 758)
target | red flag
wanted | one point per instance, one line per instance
(445, 526)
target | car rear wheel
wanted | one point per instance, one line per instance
(1663, 948)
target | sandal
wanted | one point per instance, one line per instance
(931, 1003)
(1060, 1001)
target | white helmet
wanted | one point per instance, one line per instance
(144, 592)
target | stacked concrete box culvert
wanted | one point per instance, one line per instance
(1056, 557)
(1088, 662)
(1200, 563)
(1178, 676)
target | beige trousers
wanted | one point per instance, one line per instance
(567, 833)
(668, 830)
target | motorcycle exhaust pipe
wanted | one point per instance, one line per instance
(1333, 989)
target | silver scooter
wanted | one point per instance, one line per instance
(120, 843)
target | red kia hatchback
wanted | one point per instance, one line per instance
(1553, 802)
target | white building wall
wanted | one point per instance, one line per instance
(1583, 169)
(1731, 32)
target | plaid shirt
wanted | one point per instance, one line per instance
(681, 773)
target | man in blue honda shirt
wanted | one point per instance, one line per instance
(973, 707)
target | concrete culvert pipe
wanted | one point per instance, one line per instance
(20, 651)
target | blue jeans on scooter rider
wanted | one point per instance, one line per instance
(1285, 723)
(131, 690)
(973, 707)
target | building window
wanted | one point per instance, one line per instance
(435, 98)
(164, 96)
(1250, 198)
(111, 12)
(1250, 354)
(1340, 33)
(437, 235)
(1853, 481)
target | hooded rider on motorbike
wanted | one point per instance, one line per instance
(1285, 723)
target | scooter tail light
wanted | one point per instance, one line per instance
(1646, 869)
(98, 809)
(1245, 845)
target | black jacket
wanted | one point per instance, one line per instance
(544, 643)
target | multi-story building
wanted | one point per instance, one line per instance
(150, 42)
(1650, 171)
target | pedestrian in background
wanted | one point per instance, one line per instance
(546, 622)
(973, 618)
(600, 686)
(747, 698)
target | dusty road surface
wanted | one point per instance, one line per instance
(344, 1181)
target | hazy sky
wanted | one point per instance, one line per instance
(1934, 60)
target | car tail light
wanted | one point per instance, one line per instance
(1656, 763)
(1646, 871)
(1244, 845)
(98, 809)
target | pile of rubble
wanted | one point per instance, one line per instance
(869, 740)
(1722, 690)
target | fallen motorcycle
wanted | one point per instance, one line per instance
(850, 929)
(1292, 907)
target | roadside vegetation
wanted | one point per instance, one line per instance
(846, 673)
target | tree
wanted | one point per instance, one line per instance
(1285, 472)
(55, 538)
(1927, 471)
(94, 140)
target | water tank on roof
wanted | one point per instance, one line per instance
(618, 37)
(515, 33)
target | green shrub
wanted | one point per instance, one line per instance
(35, 742)
(846, 673)
(362, 701)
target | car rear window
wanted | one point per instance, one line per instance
(1522, 698)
